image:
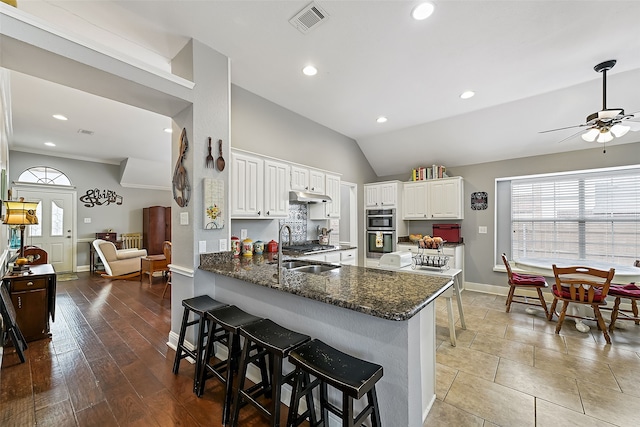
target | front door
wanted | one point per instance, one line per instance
(54, 232)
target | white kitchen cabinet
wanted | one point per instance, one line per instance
(446, 198)
(276, 189)
(349, 257)
(299, 178)
(316, 182)
(247, 175)
(382, 194)
(415, 200)
(434, 199)
(318, 211)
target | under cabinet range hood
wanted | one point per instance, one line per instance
(301, 196)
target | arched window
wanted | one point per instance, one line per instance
(44, 175)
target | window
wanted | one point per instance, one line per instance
(591, 215)
(44, 175)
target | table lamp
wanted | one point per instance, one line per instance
(20, 213)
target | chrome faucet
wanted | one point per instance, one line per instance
(280, 249)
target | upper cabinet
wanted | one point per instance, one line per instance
(330, 209)
(276, 189)
(307, 180)
(259, 187)
(382, 194)
(434, 199)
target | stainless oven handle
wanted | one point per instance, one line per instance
(379, 216)
(382, 232)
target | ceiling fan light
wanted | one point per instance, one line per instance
(620, 130)
(591, 135)
(605, 136)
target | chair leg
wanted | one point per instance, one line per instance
(561, 317)
(512, 290)
(601, 324)
(552, 310)
(543, 302)
(614, 314)
(634, 308)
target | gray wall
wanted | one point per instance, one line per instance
(262, 127)
(125, 218)
(479, 248)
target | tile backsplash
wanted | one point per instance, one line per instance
(297, 220)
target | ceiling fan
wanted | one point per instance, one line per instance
(602, 126)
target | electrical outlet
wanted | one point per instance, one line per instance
(243, 233)
(202, 246)
(482, 229)
(184, 218)
(222, 245)
(87, 220)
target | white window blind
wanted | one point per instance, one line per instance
(592, 215)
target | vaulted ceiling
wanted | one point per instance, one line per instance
(530, 64)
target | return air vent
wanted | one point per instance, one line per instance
(309, 17)
(85, 132)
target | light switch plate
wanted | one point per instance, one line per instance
(222, 246)
(243, 233)
(202, 246)
(482, 229)
(87, 220)
(184, 218)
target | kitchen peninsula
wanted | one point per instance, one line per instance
(385, 317)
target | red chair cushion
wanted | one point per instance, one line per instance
(527, 279)
(567, 294)
(630, 291)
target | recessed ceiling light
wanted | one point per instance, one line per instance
(381, 119)
(168, 130)
(422, 11)
(467, 94)
(49, 144)
(310, 70)
(59, 117)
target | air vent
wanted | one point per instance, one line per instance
(309, 17)
(85, 132)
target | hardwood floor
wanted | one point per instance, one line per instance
(107, 364)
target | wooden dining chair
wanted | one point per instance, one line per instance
(629, 291)
(131, 240)
(166, 249)
(519, 281)
(581, 285)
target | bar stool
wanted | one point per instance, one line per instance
(198, 306)
(270, 339)
(230, 319)
(353, 377)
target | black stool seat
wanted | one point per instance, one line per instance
(347, 373)
(230, 319)
(266, 338)
(354, 377)
(198, 306)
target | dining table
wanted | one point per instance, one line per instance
(623, 274)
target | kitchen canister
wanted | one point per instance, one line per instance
(272, 246)
(236, 246)
(258, 247)
(247, 247)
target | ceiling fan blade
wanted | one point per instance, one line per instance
(635, 126)
(570, 137)
(568, 127)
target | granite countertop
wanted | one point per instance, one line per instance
(386, 294)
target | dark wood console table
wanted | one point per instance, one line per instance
(34, 298)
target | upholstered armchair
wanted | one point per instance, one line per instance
(119, 263)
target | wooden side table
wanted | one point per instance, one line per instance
(151, 264)
(34, 299)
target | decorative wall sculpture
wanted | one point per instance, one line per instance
(96, 197)
(181, 186)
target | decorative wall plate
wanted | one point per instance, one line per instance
(479, 200)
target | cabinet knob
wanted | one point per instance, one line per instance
(259, 213)
(29, 283)
(268, 213)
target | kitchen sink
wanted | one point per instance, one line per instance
(315, 269)
(303, 266)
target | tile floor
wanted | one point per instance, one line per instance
(511, 369)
